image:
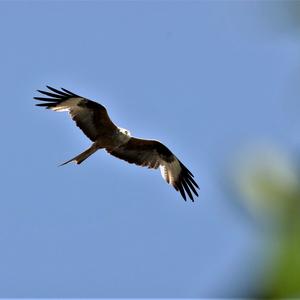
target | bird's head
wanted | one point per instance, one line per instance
(124, 131)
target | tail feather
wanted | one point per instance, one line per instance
(82, 156)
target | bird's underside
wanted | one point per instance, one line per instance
(92, 118)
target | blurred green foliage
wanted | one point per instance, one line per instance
(269, 186)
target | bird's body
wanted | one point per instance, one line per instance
(92, 118)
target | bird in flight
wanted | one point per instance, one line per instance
(92, 118)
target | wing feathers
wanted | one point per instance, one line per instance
(48, 105)
(191, 186)
(181, 190)
(193, 181)
(58, 96)
(44, 99)
(68, 92)
(91, 117)
(186, 188)
(154, 154)
(55, 90)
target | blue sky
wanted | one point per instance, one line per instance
(205, 78)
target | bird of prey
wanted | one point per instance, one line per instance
(92, 118)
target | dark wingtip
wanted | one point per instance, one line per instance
(181, 190)
(186, 189)
(57, 91)
(69, 92)
(186, 185)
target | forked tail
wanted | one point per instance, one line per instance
(82, 156)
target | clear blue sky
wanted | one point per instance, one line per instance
(202, 77)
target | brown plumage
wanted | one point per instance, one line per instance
(92, 118)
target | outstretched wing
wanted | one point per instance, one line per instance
(153, 154)
(91, 117)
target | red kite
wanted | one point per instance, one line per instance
(92, 118)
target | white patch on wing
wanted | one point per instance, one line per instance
(164, 173)
(170, 171)
(67, 105)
